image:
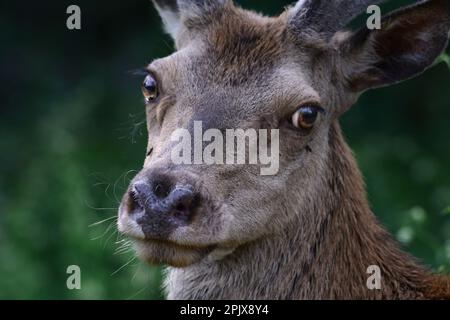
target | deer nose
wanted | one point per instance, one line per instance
(159, 206)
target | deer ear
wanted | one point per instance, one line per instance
(175, 13)
(170, 15)
(408, 42)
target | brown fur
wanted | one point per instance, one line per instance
(307, 232)
(343, 240)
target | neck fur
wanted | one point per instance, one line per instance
(327, 259)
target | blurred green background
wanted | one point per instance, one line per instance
(72, 132)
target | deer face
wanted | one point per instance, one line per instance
(234, 69)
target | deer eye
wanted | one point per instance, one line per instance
(150, 88)
(306, 116)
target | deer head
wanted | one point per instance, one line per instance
(237, 69)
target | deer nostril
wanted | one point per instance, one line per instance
(181, 207)
(162, 189)
(160, 203)
(183, 203)
(134, 202)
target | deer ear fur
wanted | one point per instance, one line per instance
(174, 13)
(408, 42)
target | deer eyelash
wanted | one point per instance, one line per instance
(140, 72)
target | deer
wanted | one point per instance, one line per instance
(306, 232)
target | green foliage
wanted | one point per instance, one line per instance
(72, 131)
(445, 58)
(447, 211)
